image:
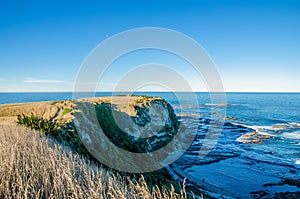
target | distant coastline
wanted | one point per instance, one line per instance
(23, 97)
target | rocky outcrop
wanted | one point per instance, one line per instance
(138, 126)
(128, 132)
(253, 137)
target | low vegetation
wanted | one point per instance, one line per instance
(143, 99)
(66, 111)
(38, 123)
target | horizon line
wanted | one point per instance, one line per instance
(150, 92)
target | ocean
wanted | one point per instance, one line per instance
(265, 164)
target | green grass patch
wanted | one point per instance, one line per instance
(66, 111)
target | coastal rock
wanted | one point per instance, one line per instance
(281, 127)
(230, 118)
(253, 138)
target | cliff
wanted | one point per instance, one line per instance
(138, 124)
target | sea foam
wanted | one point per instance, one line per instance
(293, 135)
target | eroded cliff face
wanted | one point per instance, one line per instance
(139, 126)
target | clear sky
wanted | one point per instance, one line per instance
(254, 44)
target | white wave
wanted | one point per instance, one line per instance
(276, 127)
(293, 135)
(267, 134)
(261, 128)
(256, 128)
(297, 163)
(295, 124)
(209, 104)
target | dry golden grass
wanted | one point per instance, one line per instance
(33, 166)
(43, 109)
(50, 109)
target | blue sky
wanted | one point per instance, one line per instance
(254, 44)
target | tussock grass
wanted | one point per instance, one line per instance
(35, 166)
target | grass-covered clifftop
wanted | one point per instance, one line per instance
(35, 166)
(56, 119)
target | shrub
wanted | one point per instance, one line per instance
(38, 123)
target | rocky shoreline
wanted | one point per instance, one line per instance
(235, 168)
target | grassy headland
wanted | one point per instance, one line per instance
(53, 163)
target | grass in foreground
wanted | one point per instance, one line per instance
(35, 166)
